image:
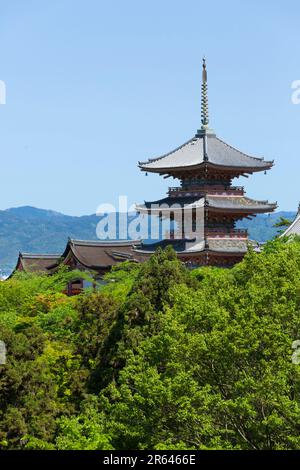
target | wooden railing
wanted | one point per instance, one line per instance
(223, 233)
(208, 233)
(213, 190)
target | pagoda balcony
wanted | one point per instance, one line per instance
(208, 233)
(223, 233)
(217, 190)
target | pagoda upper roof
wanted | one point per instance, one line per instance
(205, 148)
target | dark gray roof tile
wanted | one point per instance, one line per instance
(191, 155)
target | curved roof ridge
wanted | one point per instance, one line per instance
(81, 259)
(103, 243)
(150, 160)
(261, 159)
(39, 255)
(260, 201)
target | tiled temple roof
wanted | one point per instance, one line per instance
(192, 155)
(99, 254)
(239, 202)
(33, 262)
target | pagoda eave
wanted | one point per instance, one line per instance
(241, 210)
(212, 206)
(207, 165)
(191, 253)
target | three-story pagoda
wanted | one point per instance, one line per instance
(205, 166)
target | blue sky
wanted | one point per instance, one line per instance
(93, 87)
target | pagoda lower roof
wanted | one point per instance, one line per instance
(226, 203)
(191, 155)
(185, 247)
(179, 245)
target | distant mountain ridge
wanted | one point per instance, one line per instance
(261, 228)
(30, 229)
(35, 230)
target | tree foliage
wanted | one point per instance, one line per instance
(160, 357)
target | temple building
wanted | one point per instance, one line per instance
(205, 166)
(96, 256)
(35, 263)
(93, 257)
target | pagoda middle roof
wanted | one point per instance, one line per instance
(192, 154)
(217, 202)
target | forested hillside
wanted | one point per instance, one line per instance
(158, 358)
